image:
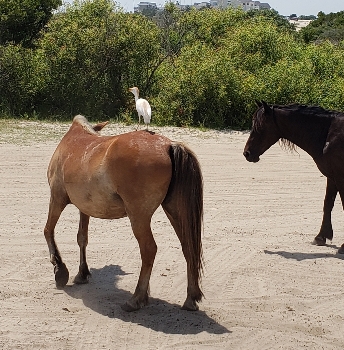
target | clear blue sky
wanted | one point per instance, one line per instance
(284, 7)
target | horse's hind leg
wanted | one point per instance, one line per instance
(82, 238)
(326, 231)
(61, 272)
(194, 292)
(143, 233)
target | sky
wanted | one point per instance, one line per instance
(283, 7)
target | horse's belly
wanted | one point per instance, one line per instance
(98, 205)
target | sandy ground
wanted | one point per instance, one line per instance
(265, 285)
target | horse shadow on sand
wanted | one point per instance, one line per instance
(102, 296)
(299, 256)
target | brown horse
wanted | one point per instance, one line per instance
(111, 177)
(317, 131)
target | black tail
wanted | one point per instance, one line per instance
(187, 189)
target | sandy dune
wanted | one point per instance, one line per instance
(265, 285)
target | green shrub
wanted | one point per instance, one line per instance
(201, 68)
(95, 52)
(22, 76)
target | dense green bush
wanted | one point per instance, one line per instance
(327, 62)
(22, 21)
(214, 82)
(201, 68)
(94, 52)
(325, 27)
(22, 78)
(199, 89)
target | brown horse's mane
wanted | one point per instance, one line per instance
(80, 119)
(301, 109)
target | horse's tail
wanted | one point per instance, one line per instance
(186, 188)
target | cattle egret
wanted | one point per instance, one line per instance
(142, 106)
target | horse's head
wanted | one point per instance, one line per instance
(264, 132)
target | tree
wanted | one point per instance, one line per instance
(281, 22)
(95, 52)
(150, 12)
(22, 20)
(325, 27)
(308, 17)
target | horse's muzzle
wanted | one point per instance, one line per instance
(250, 158)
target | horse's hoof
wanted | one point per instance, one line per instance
(80, 279)
(134, 303)
(129, 307)
(341, 250)
(61, 275)
(319, 241)
(190, 306)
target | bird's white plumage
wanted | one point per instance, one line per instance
(142, 106)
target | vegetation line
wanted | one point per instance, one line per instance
(202, 68)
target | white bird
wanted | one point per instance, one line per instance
(142, 106)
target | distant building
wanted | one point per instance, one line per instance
(145, 5)
(200, 5)
(221, 4)
(253, 5)
(245, 5)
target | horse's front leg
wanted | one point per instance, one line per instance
(61, 272)
(341, 192)
(143, 233)
(326, 231)
(82, 238)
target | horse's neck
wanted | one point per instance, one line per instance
(307, 132)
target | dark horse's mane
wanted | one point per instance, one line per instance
(305, 110)
(308, 110)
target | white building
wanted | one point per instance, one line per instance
(253, 5)
(221, 4)
(200, 5)
(245, 5)
(145, 5)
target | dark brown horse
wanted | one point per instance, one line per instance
(317, 131)
(110, 177)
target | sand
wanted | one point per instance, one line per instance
(265, 285)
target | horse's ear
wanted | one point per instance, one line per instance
(258, 103)
(266, 106)
(99, 126)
